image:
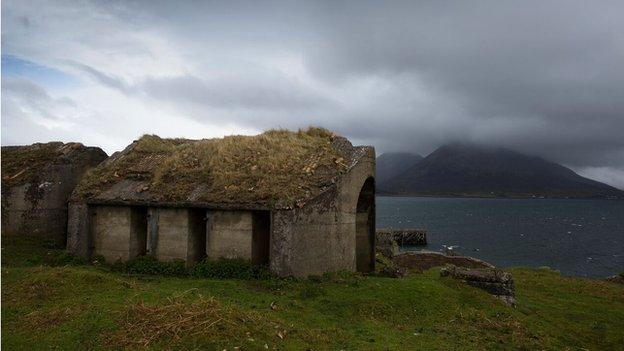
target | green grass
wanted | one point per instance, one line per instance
(81, 307)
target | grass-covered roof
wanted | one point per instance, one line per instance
(276, 169)
(25, 164)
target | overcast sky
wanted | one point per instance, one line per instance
(542, 77)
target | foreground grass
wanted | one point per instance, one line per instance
(79, 307)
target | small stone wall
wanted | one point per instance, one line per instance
(494, 281)
(403, 237)
(423, 260)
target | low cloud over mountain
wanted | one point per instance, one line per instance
(543, 78)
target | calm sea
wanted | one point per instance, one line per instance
(576, 237)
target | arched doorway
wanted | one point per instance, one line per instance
(365, 228)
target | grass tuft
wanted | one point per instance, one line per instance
(143, 324)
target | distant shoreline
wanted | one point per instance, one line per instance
(497, 197)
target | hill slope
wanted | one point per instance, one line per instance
(468, 170)
(392, 164)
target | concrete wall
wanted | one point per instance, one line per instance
(181, 234)
(321, 236)
(39, 207)
(363, 243)
(119, 232)
(79, 235)
(229, 234)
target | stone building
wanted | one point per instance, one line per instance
(302, 202)
(37, 181)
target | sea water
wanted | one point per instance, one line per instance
(576, 237)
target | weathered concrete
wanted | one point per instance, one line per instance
(494, 281)
(403, 237)
(34, 199)
(79, 235)
(423, 260)
(321, 236)
(119, 232)
(229, 234)
(180, 234)
(152, 230)
(332, 230)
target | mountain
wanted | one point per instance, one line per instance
(469, 170)
(390, 165)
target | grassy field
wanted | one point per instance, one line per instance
(83, 307)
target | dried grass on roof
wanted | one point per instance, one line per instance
(277, 168)
(22, 164)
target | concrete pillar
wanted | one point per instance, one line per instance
(180, 234)
(119, 232)
(152, 230)
(229, 234)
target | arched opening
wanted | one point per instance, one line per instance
(365, 228)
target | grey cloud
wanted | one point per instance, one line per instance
(103, 78)
(542, 77)
(554, 68)
(20, 93)
(274, 94)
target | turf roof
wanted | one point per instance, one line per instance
(25, 164)
(275, 169)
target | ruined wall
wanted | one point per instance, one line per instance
(119, 232)
(35, 189)
(79, 236)
(321, 236)
(229, 234)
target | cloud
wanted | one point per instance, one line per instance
(23, 99)
(545, 78)
(609, 175)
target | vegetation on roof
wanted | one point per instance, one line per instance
(278, 168)
(22, 164)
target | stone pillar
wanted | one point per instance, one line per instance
(79, 237)
(180, 235)
(229, 234)
(119, 232)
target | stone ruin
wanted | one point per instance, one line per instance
(302, 203)
(37, 181)
(494, 281)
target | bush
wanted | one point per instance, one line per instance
(62, 258)
(150, 265)
(230, 269)
(311, 289)
(220, 269)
